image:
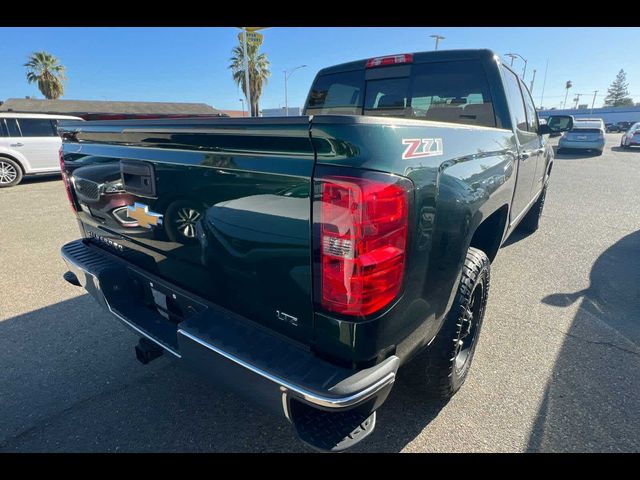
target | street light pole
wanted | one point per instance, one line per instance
(287, 74)
(242, 101)
(437, 38)
(512, 55)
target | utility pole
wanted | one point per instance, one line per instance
(287, 74)
(242, 101)
(577, 100)
(544, 82)
(532, 80)
(595, 92)
(438, 38)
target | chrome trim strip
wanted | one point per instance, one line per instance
(116, 314)
(309, 396)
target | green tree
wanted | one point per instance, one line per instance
(258, 73)
(618, 93)
(45, 70)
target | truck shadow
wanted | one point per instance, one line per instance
(71, 383)
(592, 400)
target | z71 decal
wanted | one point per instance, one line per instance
(421, 147)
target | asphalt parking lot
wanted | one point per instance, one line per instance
(557, 367)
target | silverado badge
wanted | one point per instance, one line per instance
(141, 213)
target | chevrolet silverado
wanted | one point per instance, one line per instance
(306, 262)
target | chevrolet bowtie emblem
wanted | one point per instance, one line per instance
(141, 213)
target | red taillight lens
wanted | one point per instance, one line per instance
(390, 60)
(363, 239)
(65, 180)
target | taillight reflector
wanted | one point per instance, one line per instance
(390, 60)
(65, 180)
(363, 238)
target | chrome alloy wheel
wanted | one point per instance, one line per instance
(8, 172)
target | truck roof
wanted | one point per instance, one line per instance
(418, 57)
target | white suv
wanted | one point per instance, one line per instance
(29, 144)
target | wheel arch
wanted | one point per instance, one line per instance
(489, 233)
(15, 159)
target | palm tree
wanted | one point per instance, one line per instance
(258, 73)
(45, 69)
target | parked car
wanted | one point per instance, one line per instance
(585, 135)
(331, 249)
(29, 145)
(612, 127)
(631, 138)
(624, 126)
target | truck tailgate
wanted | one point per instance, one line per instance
(219, 207)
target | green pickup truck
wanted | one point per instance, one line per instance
(306, 262)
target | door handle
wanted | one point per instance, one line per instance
(540, 151)
(17, 145)
(524, 155)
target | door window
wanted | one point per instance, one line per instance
(12, 127)
(37, 127)
(516, 102)
(532, 116)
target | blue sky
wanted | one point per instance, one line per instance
(190, 64)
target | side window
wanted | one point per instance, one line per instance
(12, 127)
(516, 103)
(37, 127)
(3, 128)
(532, 117)
(453, 91)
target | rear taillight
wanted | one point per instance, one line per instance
(65, 180)
(390, 60)
(362, 241)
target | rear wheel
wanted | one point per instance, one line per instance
(440, 370)
(10, 172)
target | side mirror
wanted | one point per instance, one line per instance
(556, 124)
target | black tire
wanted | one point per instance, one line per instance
(439, 371)
(178, 230)
(10, 172)
(599, 152)
(531, 221)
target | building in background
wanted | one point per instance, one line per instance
(104, 110)
(236, 113)
(607, 114)
(281, 112)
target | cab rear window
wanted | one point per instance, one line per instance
(456, 92)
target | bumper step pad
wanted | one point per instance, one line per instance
(331, 431)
